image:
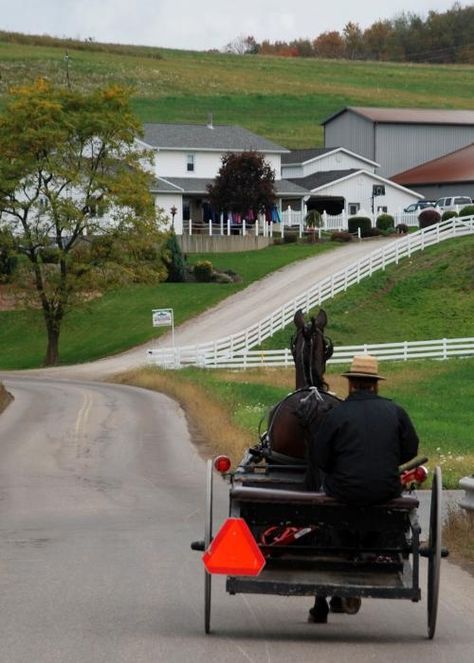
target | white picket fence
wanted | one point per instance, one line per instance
(209, 354)
(435, 349)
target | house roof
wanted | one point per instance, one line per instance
(198, 186)
(299, 157)
(409, 115)
(457, 166)
(323, 179)
(218, 137)
(317, 180)
(302, 156)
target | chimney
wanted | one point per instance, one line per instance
(210, 124)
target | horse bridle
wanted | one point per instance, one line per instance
(328, 349)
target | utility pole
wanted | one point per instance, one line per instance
(66, 60)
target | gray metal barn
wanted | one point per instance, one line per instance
(399, 138)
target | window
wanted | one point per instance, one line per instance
(353, 208)
(190, 163)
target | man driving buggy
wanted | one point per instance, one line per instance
(358, 447)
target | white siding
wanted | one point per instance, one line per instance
(358, 189)
(336, 161)
(165, 201)
(172, 163)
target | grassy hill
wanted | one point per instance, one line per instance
(284, 99)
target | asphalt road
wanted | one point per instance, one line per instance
(101, 493)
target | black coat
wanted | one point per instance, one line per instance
(359, 446)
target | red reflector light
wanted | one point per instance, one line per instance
(222, 464)
(421, 474)
(234, 551)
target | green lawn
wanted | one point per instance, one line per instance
(121, 319)
(428, 296)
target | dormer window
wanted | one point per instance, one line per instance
(190, 163)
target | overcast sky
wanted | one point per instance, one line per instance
(199, 24)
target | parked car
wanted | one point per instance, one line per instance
(452, 202)
(420, 204)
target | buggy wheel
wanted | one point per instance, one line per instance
(207, 541)
(434, 551)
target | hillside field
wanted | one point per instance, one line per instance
(283, 99)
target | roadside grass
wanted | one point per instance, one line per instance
(121, 319)
(284, 99)
(434, 393)
(458, 536)
(428, 296)
(5, 398)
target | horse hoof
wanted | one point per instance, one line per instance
(317, 617)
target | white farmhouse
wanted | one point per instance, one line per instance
(187, 158)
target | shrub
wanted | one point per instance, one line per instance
(449, 214)
(362, 222)
(174, 260)
(290, 238)
(8, 259)
(428, 217)
(468, 210)
(375, 232)
(203, 271)
(385, 221)
(402, 229)
(313, 219)
(341, 236)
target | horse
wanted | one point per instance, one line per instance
(290, 422)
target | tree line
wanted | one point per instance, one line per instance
(442, 37)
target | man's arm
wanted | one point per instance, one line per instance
(408, 437)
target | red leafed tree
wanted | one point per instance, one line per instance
(245, 181)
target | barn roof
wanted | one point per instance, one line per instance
(457, 166)
(409, 115)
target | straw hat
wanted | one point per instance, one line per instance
(364, 366)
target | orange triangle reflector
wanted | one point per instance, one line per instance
(234, 551)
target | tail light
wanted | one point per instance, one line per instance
(222, 464)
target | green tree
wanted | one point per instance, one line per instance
(173, 259)
(75, 196)
(244, 182)
(353, 40)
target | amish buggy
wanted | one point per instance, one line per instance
(281, 539)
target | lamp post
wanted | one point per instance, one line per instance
(173, 211)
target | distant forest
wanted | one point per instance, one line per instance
(442, 38)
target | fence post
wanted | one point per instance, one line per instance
(325, 219)
(256, 227)
(210, 227)
(243, 228)
(190, 226)
(445, 348)
(359, 234)
(228, 226)
(282, 227)
(301, 225)
(222, 222)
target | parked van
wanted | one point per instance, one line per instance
(452, 202)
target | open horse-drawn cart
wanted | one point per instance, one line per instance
(308, 544)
